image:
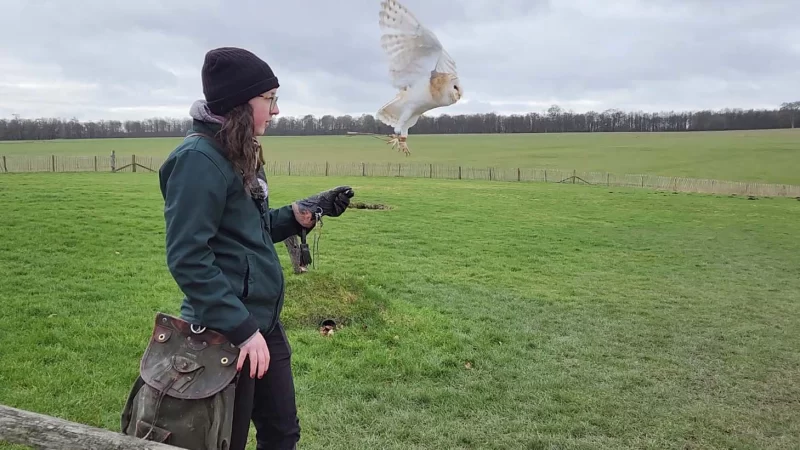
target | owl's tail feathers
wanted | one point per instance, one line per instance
(390, 113)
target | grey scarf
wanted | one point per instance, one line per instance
(199, 110)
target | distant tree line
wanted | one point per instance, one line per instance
(555, 120)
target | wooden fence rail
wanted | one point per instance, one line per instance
(45, 432)
(121, 163)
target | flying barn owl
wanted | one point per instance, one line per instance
(419, 67)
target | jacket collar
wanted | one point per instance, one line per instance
(199, 126)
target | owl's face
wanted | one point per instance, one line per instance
(454, 89)
(445, 89)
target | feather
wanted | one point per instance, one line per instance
(390, 112)
(413, 50)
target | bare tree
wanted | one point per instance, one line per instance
(554, 119)
(792, 109)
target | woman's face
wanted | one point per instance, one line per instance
(264, 107)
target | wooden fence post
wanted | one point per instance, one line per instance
(293, 247)
(53, 162)
(363, 170)
(5, 167)
(41, 431)
(326, 168)
(290, 168)
(95, 163)
(133, 163)
(518, 175)
(459, 172)
(431, 171)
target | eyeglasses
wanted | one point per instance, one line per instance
(273, 100)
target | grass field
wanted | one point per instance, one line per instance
(757, 156)
(582, 317)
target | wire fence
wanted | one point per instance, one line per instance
(134, 163)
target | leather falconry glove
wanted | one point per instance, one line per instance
(332, 202)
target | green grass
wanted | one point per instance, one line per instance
(757, 156)
(482, 315)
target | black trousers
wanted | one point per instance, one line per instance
(269, 402)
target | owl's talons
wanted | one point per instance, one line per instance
(404, 147)
(399, 142)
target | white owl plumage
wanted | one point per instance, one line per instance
(419, 67)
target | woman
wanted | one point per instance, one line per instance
(220, 232)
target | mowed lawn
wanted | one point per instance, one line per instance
(479, 315)
(771, 156)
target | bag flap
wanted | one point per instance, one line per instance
(151, 432)
(188, 364)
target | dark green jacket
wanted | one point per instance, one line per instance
(219, 246)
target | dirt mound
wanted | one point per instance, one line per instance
(315, 297)
(362, 205)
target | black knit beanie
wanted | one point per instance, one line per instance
(232, 76)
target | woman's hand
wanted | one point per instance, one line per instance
(304, 217)
(256, 349)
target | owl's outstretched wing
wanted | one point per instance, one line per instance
(413, 50)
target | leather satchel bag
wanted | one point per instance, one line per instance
(185, 390)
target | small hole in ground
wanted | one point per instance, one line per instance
(362, 205)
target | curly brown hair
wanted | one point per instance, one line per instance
(241, 145)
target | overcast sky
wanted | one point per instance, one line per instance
(95, 59)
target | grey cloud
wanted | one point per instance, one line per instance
(144, 57)
(581, 51)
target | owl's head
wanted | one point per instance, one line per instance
(446, 88)
(453, 88)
